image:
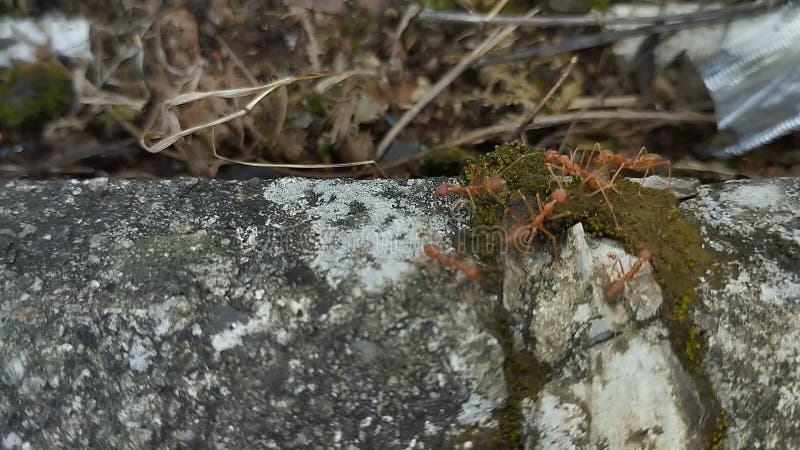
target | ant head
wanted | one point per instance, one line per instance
(559, 195)
(495, 184)
(645, 255)
(550, 156)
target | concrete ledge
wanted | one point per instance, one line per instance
(302, 314)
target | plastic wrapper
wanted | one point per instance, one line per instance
(751, 67)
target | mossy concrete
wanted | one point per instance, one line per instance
(638, 216)
(296, 313)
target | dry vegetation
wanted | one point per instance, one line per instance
(241, 88)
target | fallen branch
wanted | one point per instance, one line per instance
(482, 134)
(567, 20)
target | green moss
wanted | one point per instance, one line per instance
(599, 5)
(524, 170)
(720, 430)
(681, 307)
(316, 103)
(34, 94)
(641, 218)
(521, 166)
(524, 376)
(439, 5)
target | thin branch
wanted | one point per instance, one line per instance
(494, 38)
(607, 37)
(566, 20)
(410, 12)
(543, 101)
(312, 48)
(482, 134)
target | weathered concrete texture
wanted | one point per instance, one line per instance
(616, 381)
(188, 314)
(750, 310)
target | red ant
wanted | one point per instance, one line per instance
(522, 233)
(569, 166)
(642, 162)
(616, 288)
(491, 185)
(437, 253)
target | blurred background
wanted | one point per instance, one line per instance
(158, 88)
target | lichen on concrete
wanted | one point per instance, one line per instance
(748, 310)
(608, 361)
(286, 314)
(297, 313)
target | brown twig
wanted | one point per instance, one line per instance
(482, 134)
(494, 38)
(410, 12)
(543, 101)
(567, 20)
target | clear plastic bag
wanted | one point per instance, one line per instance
(754, 80)
(750, 65)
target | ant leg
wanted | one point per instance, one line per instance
(619, 169)
(618, 262)
(528, 205)
(552, 174)
(560, 215)
(539, 203)
(642, 152)
(610, 208)
(514, 214)
(471, 199)
(552, 238)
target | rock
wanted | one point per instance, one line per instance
(682, 188)
(616, 382)
(285, 314)
(634, 394)
(302, 314)
(750, 309)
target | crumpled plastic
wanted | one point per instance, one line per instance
(754, 80)
(751, 67)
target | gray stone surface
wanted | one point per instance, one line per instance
(750, 309)
(302, 314)
(198, 314)
(615, 382)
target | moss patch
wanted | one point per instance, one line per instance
(33, 94)
(642, 218)
(524, 375)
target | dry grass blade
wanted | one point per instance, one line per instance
(295, 166)
(178, 133)
(482, 134)
(567, 20)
